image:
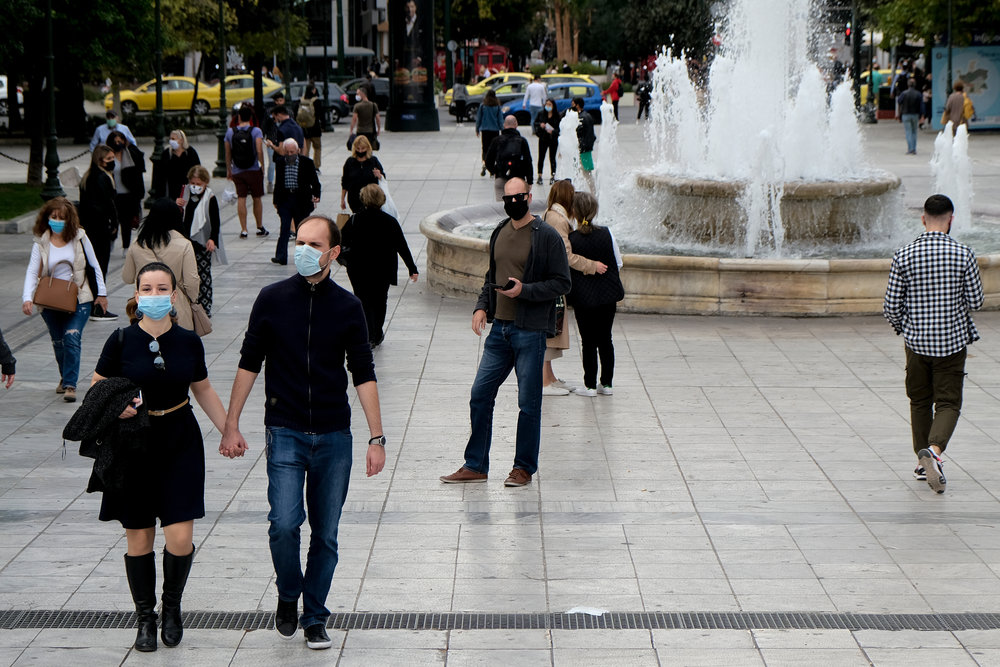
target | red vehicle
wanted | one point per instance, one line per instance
(493, 57)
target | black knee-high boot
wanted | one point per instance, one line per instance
(141, 571)
(175, 574)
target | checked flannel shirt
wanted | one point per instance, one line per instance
(933, 284)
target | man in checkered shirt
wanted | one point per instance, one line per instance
(933, 284)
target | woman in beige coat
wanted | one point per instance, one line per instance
(557, 215)
(159, 241)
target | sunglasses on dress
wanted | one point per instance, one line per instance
(158, 362)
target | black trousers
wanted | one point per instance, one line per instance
(373, 294)
(643, 107)
(549, 146)
(934, 387)
(487, 137)
(129, 212)
(595, 340)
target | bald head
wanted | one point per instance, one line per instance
(509, 122)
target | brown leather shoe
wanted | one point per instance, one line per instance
(69, 395)
(60, 389)
(517, 477)
(464, 476)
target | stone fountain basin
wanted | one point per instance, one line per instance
(456, 266)
(707, 211)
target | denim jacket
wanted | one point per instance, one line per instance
(546, 277)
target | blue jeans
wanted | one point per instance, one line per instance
(910, 124)
(270, 165)
(66, 332)
(508, 347)
(534, 111)
(321, 462)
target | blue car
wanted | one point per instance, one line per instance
(563, 94)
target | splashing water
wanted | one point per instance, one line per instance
(952, 172)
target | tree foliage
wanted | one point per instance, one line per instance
(684, 25)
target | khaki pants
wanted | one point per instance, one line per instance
(934, 387)
(317, 149)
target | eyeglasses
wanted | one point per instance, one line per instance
(520, 196)
(158, 362)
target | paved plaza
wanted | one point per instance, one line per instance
(744, 498)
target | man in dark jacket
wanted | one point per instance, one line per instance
(509, 156)
(527, 274)
(296, 194)
(908, 112)
(301, 331)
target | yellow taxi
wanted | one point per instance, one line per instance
(886, 81)
(239, 87)
(479, 89)
(178, 92)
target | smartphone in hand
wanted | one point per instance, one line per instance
(506, 286)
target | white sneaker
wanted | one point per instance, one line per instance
(559, 383)
(605, 390)
(553, 390)
(584, 391)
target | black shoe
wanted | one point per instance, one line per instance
(278, 261)
(141, 571)
(99, 315)
(263, 232)
(483, 172)
(286, 618)
(175, 574)
(316, 637)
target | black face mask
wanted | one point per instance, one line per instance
(118, 148)
(362, 154)
(290, 159)
(516, 209)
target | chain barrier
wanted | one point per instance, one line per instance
(61, 160)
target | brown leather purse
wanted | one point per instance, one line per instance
(56, 293)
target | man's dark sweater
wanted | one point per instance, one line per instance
(305, 332)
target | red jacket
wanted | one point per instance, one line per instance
(615, 89)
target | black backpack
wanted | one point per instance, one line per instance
(509, 158)
(243, 150)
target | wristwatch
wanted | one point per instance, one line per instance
(377, 440)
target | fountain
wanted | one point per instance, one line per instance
(750, 190)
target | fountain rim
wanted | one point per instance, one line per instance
(796, 189)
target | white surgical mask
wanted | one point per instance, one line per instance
(197, 189)
(174, 144)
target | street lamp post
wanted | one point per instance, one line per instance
(52, 188)
(220, 160)
(158, 128)
(950, 40)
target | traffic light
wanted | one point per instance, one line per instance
(847, 34)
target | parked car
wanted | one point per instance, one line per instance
(178, 92)
(239, 87)
(336, 101)
(886, 82)
(562, 94)
(506, 92)
(381, 91)
(3, 95)
(505, 77)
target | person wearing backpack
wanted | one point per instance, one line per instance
(244, 160)
(509, 156)
(309, 118)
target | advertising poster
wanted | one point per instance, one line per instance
(412, 106)
(978, 67)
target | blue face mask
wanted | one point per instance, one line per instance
(57, 226)
(155, 306)
(307, 260)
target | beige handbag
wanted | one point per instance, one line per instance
(202, 322)
(55, 293)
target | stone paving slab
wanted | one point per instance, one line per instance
(742, 465)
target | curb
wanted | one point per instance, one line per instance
(19, 225)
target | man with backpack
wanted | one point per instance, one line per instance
(244, 160)
(308, 118)
(509, 156)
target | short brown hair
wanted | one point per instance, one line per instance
(959, 86)
(561, 193)
(331, 225)
(200, 173)
(58, 205)
(372, 196)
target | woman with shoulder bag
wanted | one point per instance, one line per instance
(60, 256)
(160, 240)
(98, 214)
(128, 168)
(201, 227)
(164, 472)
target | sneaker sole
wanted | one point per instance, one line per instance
(462, 481)
(287, 638)
(935, 478)
(319, 646)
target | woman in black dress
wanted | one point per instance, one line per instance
(201, 227)
(98, 214)
(370, 242)
(361, 169)
(170, 173)
(165, 476)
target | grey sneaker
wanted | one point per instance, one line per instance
(931, 464)
(605, 390)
